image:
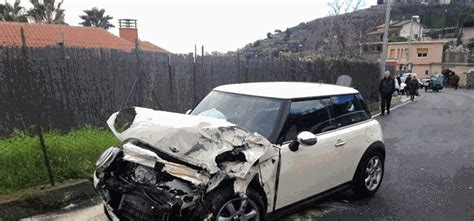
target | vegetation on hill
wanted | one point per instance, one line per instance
(340, 35)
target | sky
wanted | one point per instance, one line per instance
(219, 25)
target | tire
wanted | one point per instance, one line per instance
(220, 200)
(359, 184)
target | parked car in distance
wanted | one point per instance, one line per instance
(435, 83)
(425, 82)
(248, 151)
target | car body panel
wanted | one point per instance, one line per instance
(310, 169)
(286, 90)
(324, 165)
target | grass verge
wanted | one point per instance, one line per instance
(71, 155)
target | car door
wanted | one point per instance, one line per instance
(311, 169)
(352, 119)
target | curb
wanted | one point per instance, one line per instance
(41, 201)
(396, 105)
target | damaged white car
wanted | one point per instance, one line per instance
(246, 152)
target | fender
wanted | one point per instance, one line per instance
(375, 146)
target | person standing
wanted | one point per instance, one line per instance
(386, 89)
(413, 87)
(407, 83)
(398, 83)
(456, 81)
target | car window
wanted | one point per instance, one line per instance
(349, 109)
(255, 114)
(311, 115)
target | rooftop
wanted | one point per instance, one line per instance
(41, 35)
(286, 90)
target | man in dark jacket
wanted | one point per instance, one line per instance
(413, 87)
(407, 83)
(386, 89)
(455, 81)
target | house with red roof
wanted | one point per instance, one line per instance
(43, 35)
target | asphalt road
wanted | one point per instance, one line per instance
(429, 168)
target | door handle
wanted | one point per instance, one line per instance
(340, 143)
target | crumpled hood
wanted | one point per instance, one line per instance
(196, 140)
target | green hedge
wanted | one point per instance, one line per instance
(72, 155)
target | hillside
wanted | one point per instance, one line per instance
(349, 29)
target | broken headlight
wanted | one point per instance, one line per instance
(106, 159)
(124, 119)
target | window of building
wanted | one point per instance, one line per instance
(392, 53)
(422, 52)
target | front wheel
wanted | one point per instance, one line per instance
(223, 204)
(369, 174)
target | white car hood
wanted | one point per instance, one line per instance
(197, 140)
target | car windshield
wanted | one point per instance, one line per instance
(255, 114)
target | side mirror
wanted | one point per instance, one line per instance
(305, 138)
(189, 111)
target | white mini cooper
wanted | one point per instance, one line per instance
(248, 151)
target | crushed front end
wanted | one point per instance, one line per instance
(168, 162)
(133, 191)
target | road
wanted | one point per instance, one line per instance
(429, 168)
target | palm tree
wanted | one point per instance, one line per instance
(95, 17)
(15, 12)
(47, 12)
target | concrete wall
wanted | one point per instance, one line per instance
(461, 70)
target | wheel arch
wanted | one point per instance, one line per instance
(377, 146)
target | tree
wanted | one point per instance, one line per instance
(47, 12)
(95, 17)
(341, 31)
(14, 13)
(337, 7)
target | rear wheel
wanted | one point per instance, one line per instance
(369, 174)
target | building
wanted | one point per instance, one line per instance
(43, 35)
(421, 57)
(399, 31)
(468, 32)
(403, 29)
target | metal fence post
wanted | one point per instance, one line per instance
(45, 155)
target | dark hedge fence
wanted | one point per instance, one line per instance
(64, 88)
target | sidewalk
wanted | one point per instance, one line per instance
(396, 101)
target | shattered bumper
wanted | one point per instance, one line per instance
(131, 191)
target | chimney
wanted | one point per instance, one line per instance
(128, 29)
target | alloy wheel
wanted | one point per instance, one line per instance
(373, 174)
(239, 209)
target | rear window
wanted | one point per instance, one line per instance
(349, 109)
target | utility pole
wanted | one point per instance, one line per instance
(383, 58)
(410, 39)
